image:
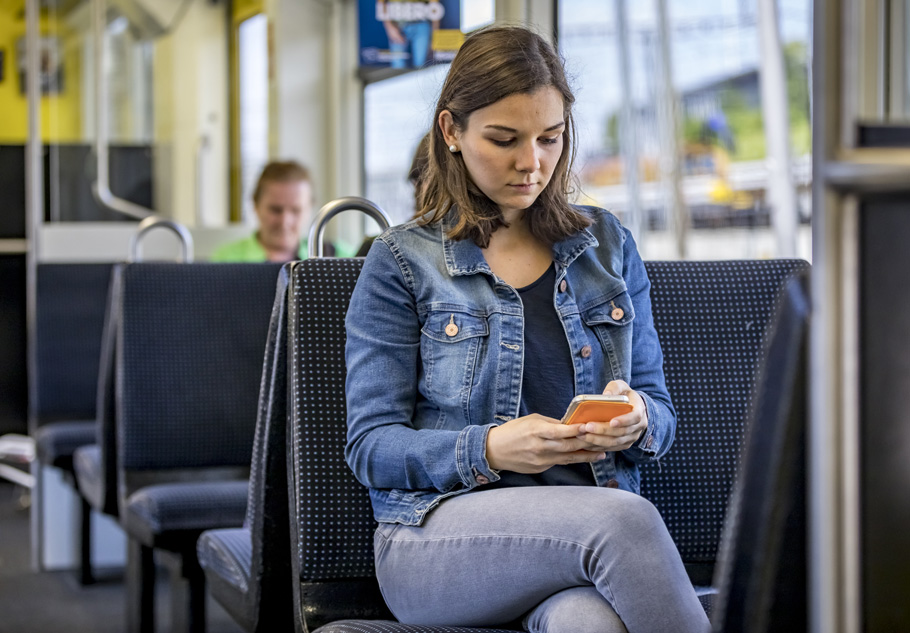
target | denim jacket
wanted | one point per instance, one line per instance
(422, 395)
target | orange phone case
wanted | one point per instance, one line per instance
(595, 411)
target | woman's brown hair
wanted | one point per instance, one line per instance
(494, 63)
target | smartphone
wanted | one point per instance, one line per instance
(596, 408)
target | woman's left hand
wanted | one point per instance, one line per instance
(622, 431)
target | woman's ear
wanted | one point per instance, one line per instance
(449, 130)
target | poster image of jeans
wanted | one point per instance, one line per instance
(408, 33)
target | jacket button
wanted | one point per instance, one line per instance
(482, 479)
(617, 314)
(451, 328)
(562, 286)
(612, 484)
(585, 351)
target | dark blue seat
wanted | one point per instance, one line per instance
(75, 351)
(189, 358)
(762, 572)
(95, 464)
(332, 521)
(71, 301)
(712, 318)
(247, 569)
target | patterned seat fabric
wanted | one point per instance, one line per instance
(189, 360)
(762, 573)
(332, 526)
(70, 316)
(56, 442)
(247, 569)
(167, 515)
(226, 556)
(95, 465)
(712, 319)
(89, 474)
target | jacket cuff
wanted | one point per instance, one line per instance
(649, 442)
(471, 456)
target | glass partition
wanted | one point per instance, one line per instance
(164, 118)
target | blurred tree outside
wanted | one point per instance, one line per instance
(746, 122)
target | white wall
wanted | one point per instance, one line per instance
(191, 104)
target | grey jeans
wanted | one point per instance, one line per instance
(567, 559)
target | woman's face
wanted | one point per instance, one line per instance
(511, 147)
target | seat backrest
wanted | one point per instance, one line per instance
(71, 302)
(105, 407)
(761, 573)
(331, 517)
(712, 319)
(190, 341)
(269, 599)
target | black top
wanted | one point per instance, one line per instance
(548, 381)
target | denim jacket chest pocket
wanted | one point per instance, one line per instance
(610, 318)
(450, 345)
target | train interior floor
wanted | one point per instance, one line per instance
(52, 602)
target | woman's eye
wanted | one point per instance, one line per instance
(550, 141)
(501, 143)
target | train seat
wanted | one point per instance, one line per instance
(761, 574)
(331, 519)
(189, 360)
(94, 464)
(712, 318)
(247, 569)
(71, 303)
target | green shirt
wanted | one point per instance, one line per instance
(249, 249)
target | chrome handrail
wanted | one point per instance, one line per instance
(101, 187)
(153, 222)
(333, 208)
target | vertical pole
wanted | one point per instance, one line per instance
(34, 215)
(775, 111)
(628, 137)
(668, 121)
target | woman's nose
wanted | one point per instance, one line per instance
(527, 159)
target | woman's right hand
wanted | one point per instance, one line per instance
(534, 443)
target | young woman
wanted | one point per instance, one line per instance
(470, 330)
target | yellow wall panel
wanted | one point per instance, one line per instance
(60, 113)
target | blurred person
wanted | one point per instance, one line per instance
(283, 201)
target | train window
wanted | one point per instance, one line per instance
(253, 76)
(717, 198)
(397, 113)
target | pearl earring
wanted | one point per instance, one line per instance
(453, 148)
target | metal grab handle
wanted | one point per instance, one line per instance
(153, 222)
(101, 187)
(333, 208)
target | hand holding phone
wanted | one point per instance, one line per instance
(596, 408)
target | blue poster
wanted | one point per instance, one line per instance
(408, 33)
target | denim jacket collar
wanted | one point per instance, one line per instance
(464, 257)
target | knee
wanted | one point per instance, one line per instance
(574, 610)
(639, 515)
